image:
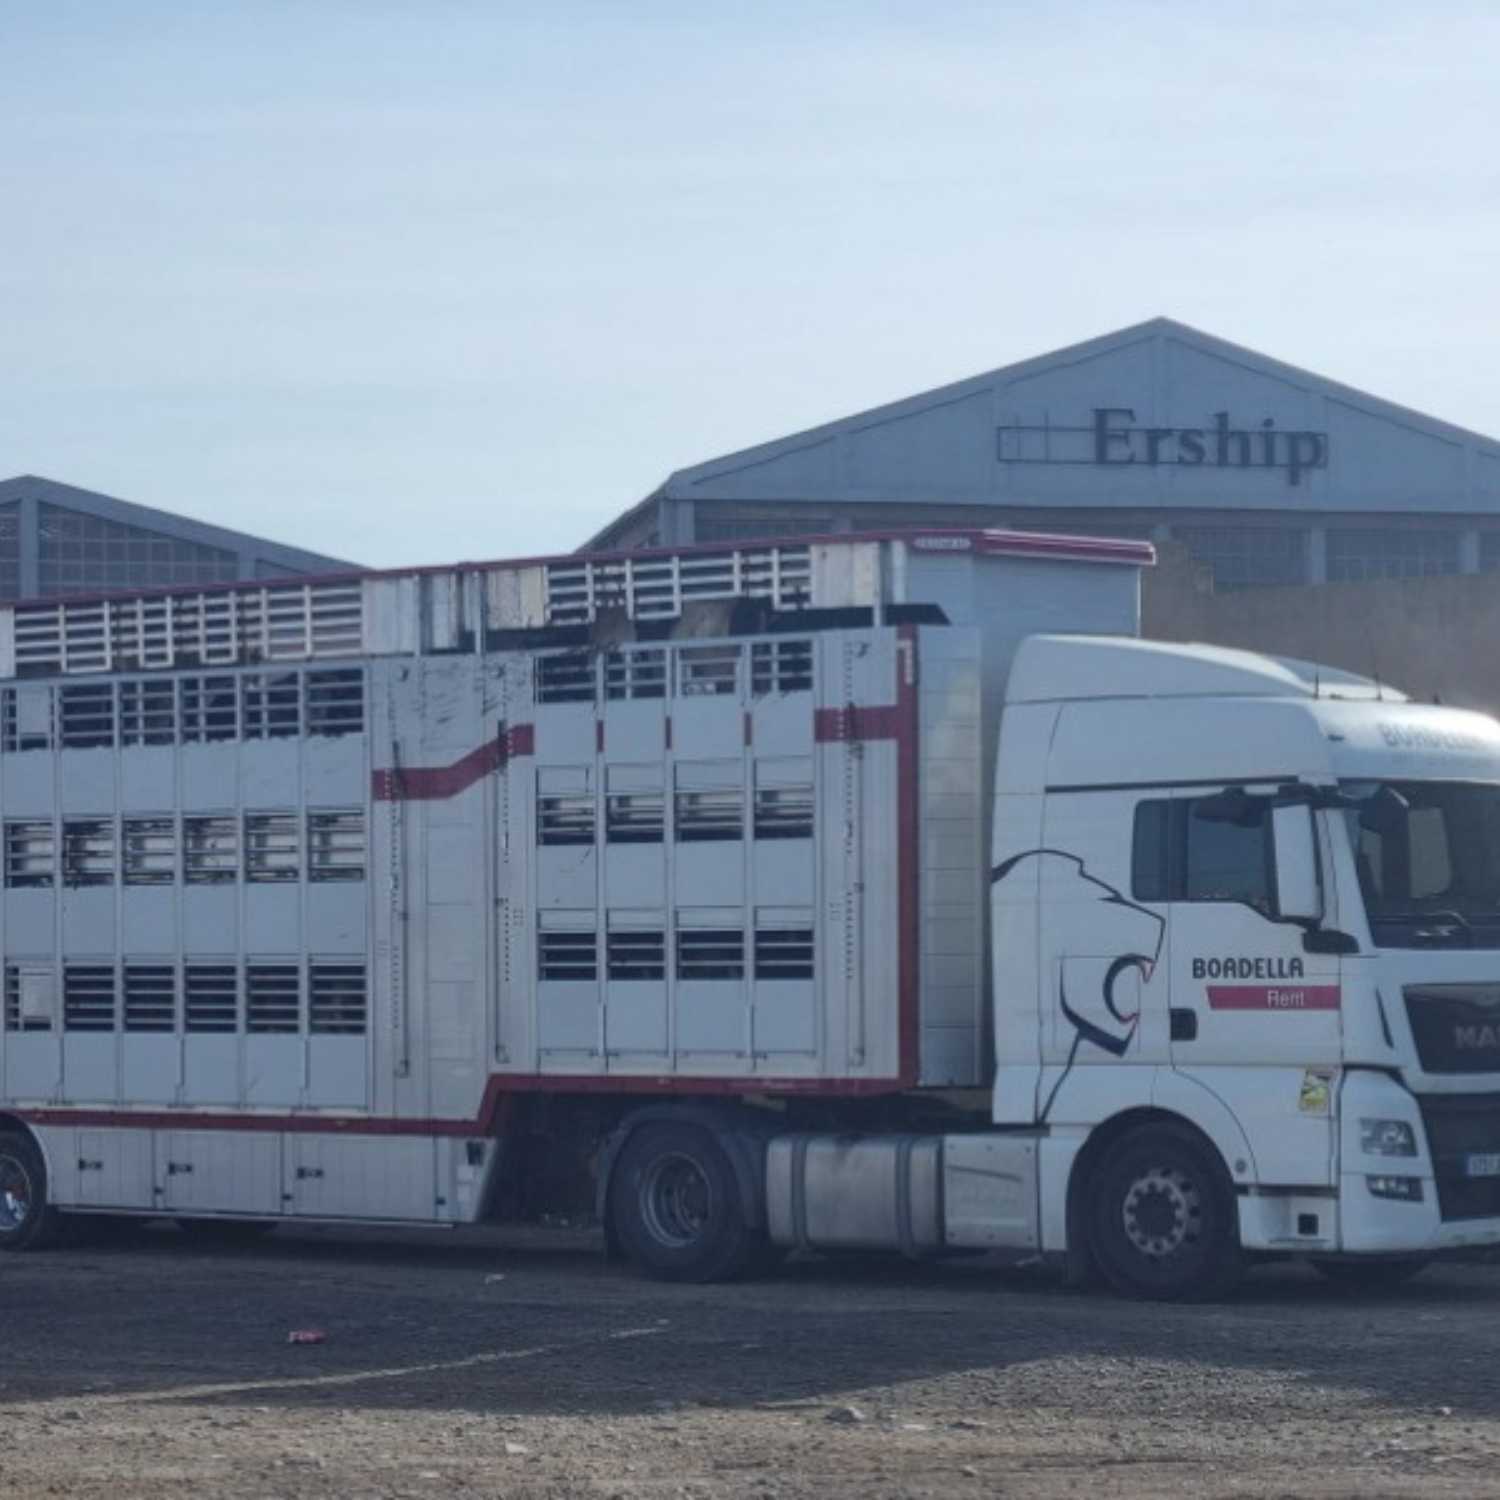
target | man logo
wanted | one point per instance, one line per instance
(1476, 1038)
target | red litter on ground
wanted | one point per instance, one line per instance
(306, 1336)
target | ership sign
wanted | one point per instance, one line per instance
(1114, 439)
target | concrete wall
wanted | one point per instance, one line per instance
(1430, 637)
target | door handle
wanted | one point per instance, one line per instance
(1184, 1024)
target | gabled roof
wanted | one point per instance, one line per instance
(942, 445)
(165, 523)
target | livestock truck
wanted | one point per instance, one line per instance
(829, 893)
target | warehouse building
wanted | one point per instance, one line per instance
(1268, 475)
(57, 539)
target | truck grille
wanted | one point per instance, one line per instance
(1458, 1125)
(1456, 1026)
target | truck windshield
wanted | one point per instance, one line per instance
(1428, 856)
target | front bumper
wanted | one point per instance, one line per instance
(1456, 1210)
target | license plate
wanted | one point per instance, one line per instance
(1482, 1164)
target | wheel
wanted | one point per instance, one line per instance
(1372, 1275)
(674, 1205)
(226, 1231)
(27, 1220)
(1162, 1217)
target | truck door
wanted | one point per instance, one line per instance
(1253, 1015)
(1103, 982)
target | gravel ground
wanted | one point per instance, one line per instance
(489, 1364)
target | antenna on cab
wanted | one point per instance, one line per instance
(1374, 665)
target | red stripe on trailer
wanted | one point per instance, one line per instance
(428, 783)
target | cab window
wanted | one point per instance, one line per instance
(1181, 855)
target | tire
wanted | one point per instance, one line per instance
(28, 1221)
(675, 1207)
(1162, 1218)
(226, 1231)
(1371, 1275)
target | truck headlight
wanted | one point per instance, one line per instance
(1407, 1189)
(1387, 1138)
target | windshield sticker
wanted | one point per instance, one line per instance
(1316, 1093)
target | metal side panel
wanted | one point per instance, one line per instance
(219, 1171)
(990, 1192)
(361, 1177)
(108, 1169)
(917, 1194)
(953, 884)
(855, 1193)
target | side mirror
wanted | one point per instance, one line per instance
(1299, 896)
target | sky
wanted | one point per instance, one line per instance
(402, 283)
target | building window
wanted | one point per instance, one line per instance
(1247, 557)
(80, 553)
(10, 551)
(1360, 553)
(1489, 551)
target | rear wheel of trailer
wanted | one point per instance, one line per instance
(676, 1208)
(27, 1219)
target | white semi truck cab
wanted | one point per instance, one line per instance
(1245, 969)
(846, 892)
(1268, 895)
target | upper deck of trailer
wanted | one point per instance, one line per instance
(487, 605)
